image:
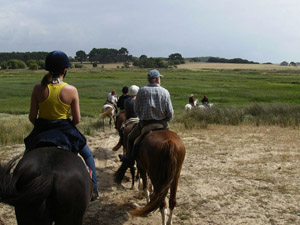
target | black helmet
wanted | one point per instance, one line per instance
(125, 90)
(57, 61)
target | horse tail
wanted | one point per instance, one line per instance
(35, 190)
(104, 114)
(167, 167)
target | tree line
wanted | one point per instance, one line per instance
(35, 60)
(235, 60)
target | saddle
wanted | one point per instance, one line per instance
(147, 129)
(108, 105)
(129, 121)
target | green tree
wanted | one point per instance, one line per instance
(81, 56)
(176, 59)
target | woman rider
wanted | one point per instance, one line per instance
(51, 103)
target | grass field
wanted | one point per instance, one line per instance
(224, 87)
(252, 94)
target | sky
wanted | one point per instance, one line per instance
(256, 30)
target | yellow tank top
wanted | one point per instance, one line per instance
(53, 108)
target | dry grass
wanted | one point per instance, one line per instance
(233, 66)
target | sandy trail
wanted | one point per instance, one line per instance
(231, 175)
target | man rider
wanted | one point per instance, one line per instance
(152, 105)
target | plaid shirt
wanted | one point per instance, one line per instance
(153, 102)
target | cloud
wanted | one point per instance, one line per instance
(251, 29)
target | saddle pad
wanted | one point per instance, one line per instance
(108, 106)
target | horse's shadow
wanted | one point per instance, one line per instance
(108, 209)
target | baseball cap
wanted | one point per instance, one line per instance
(154, 74)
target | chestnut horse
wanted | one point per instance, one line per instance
(47, 185)
(160, 155)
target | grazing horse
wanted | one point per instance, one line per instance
(108, 110)
(160, 155)
(47, 185)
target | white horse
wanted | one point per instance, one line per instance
(188, 107)
(109, 111)
(209, 105)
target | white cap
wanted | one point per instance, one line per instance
(133, 90)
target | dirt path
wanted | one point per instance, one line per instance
(231, 175)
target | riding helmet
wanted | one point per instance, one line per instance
(56, 62)
(125, 90)
(133, 90)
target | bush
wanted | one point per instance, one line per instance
(16, 64)
(33, 66)
(283, 115)
(41, 64)
(4, 65)
(78, 65)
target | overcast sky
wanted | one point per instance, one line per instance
(257, 30)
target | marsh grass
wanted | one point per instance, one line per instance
(283, 115)
(14, 128)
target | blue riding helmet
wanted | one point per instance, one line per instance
(57, 61)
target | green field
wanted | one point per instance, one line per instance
(224, 88)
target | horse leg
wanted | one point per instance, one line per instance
(132, 172)
(34, 215)
(145, 184)
(103, 124)
(172, 200)
(110, 122)
(164, 212)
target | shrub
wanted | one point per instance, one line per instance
(78, 65)
(33, 66)
(258, 114)
(4, 65)
(41, 64)
(16, 64)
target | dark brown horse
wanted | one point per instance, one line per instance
(160, 155)
(47, 185)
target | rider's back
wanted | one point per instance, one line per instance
(53, 108)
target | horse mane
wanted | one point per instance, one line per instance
(168, 164)
(12, 194)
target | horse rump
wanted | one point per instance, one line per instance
(162, 173)
(13, 194)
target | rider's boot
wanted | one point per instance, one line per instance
(95, 195)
